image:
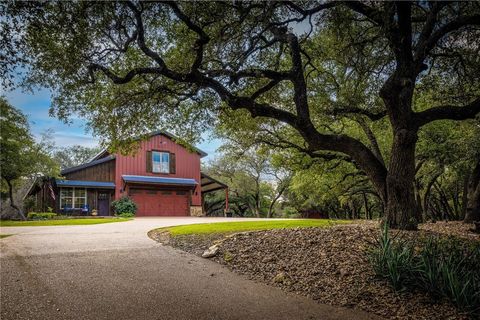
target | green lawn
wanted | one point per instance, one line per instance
(4, 235)
(231, 227)
(60, 222)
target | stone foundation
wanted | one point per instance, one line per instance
(196, 211)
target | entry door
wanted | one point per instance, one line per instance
(103, 204)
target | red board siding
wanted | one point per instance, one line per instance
(187, 164)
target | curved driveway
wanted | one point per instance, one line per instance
(114, 271)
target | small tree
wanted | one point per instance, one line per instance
(20, 156)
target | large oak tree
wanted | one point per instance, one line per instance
(130, 66)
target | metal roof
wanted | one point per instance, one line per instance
(159, 180)
(210, 184)
(88, 164)
(86, 184)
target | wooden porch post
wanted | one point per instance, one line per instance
(226, 201)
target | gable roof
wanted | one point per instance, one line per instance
(88, 164)
(152, 134)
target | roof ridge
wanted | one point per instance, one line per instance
(87, 164)
(160, 132)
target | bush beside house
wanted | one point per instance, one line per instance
(124, 207)
(41, 215)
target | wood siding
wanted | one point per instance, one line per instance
(101, 172)
(187, 164)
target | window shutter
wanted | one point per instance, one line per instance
(173, 166)
(149, 161)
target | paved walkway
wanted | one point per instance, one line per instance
(114, 271)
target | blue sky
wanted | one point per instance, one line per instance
(36, 105)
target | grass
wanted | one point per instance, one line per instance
(60, 222)
(232, 227)
(4, 235)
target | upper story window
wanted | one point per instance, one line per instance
(160, 162)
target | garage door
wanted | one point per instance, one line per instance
(160, 202)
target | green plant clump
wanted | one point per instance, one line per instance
(123, 206)
(446, 268)
(41, 215)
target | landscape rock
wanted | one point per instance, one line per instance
(210, 252)
(279, 278)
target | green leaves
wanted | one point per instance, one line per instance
(20, 157)
(441, 267)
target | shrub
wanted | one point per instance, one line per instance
(29, 204)
(393, 260)
(441, 267)
(41, 215)
(124, 205)
(290, 212)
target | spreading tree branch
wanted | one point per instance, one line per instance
(448, 112)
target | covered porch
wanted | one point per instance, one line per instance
(71, 197)
(209, 185)
(79, 197)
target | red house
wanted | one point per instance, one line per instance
(163, 178)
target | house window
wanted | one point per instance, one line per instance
(73, 198)
(80, 198)
(160, 162)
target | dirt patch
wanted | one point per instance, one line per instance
(329, 265)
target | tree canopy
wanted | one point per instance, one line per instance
(20, 157)
(317, 77)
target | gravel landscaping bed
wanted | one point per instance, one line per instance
(329, 265)
(453, 228)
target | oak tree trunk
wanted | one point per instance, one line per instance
(365, 203)
(401, 205)
(418, 200)
(12, 202)
(473, 204)
(466, 180)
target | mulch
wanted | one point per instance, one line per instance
(329, 265)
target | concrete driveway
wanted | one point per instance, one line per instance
(114, 271)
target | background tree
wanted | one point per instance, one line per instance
(68, 156)
(20, 157)
(254, 183)
(128, 67)
(74, 155)
(447, 155)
